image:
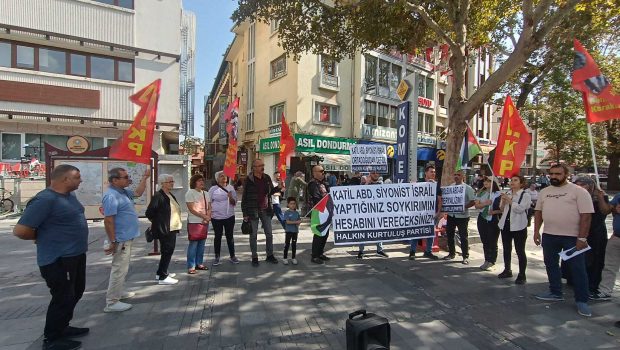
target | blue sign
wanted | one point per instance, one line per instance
(402, 140)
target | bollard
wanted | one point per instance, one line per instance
(367, 331)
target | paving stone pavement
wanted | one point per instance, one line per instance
(430, 304)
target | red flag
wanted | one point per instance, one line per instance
(136, 143)
(232, 128)
(287, 147)
(512, 142)
(599, 100)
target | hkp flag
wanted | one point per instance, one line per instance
(136, 143)
(512, 142)
(287, 147)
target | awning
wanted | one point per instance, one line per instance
(333, 162)
(425, 153)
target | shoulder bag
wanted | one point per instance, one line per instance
(198, 231)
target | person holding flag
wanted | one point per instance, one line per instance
(318, 194)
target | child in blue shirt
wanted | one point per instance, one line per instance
(291, 227)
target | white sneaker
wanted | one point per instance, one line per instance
(171, 274)
(285, 261)
(127, 295)
(168, 281)
(119, 306)
(294, 261)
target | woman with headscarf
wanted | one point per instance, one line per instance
(198, 217)
(223, 200)
(164, 212)
(597, 238)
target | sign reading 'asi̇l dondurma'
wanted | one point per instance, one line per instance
(310, 143)
(383, 213)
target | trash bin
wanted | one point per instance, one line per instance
(367, 331)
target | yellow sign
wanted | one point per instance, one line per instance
(402, 89)
(77, 144)
(441, 154)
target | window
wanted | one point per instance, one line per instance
(251, 82)
(275, 114)
(394, 114)
(442, 100)
(108, 142)
(370, 79)
(420, 122)
(421, 85)
(5, 54)
(371, 113)
(128, 4)
(440, 130)
(60, 61)
(329, 66)
(125, 71)
(53, 61)
(325, 113)
(429, 126)
(250, 121)
(278, 67)
(11, 146)
(77, 64)
(25, 57)
(384, 78)
(275, 24)
(430, 88)
(102, 68)
(395, 77)
(384, 115)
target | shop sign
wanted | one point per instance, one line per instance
(78, 144)
(243, 157)
(309, 143)
(378, 132)
(402, 159)
(425, 102)
(269, 145)
(336, 167)
(275, 129)
(319, 144)
(427, 139)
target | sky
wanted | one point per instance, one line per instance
(213, 36)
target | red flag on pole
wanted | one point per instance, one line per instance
(136, 143)
(599, 100)
(232, 128)
(512, 142)
(287, 147)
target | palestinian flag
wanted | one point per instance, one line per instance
(469, 149)
(321, 216)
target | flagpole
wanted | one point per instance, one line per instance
(598, 183)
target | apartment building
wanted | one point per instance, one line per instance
(331, 105)
(68, 67)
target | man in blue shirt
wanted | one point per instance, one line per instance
(612, 256)
(121, 226)
(55, 219)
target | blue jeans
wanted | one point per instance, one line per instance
(429, 245)
(277, 211)
(379, 247)
(195, 253)
(552, 245)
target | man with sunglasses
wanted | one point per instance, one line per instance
(566, 209)
(121, 226)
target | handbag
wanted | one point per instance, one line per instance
(197, 232)
(148, 234)
(246, 227)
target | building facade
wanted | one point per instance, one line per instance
(215, 136)
(330, 105)
(68, 67)
(188, 72)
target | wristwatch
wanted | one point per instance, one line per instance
(583, 239)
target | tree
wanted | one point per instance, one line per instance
(344, 27)
(192, 145)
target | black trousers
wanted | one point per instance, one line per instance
(451, 226)
(318, 245)
(489, 234)
(66, 279)
(219, 227)
(168, 243)
(519, 237)
(290, 241)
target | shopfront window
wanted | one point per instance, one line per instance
(11, 146)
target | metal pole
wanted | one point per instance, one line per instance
(413, 128)
(598, 183)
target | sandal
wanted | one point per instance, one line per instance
(191, 271)
(201, 267)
